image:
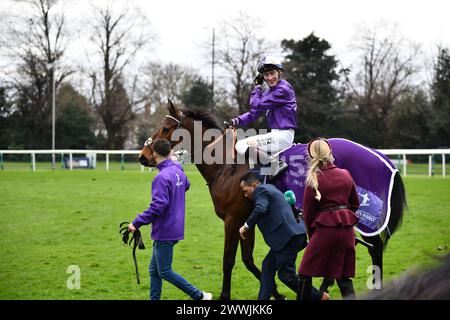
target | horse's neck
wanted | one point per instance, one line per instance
(209, 171)
(196, 157)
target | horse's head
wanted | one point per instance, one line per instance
(168, 125)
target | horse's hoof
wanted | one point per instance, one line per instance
(280, 297)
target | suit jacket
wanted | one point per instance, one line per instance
(274, 217)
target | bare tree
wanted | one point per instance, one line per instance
(238, 51)
(162, 82)
(386, 71)
(119, 33)
(159, 83)
(34, 42)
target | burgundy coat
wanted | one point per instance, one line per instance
(331, 248)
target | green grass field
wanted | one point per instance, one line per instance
(131, 164)
(51, 220)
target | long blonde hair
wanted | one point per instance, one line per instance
(319, 154)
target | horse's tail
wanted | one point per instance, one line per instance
(398, 205)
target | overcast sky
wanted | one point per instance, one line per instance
(183, 26)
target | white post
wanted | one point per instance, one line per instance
(53, 66)
(430, 165)
(404, 165)
(53, 121)
(107, 161)
(33, 162)
(142, 168)
(443, 165)
(70, 160)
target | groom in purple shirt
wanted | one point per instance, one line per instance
(166, 213)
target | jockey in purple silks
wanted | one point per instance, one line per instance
(278, 103)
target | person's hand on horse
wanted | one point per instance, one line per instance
(259, 79)
(243, 232)
(131, 228)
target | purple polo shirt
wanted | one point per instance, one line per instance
(166, 212)
(279, 104)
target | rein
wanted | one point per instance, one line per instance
(212, 144)
(136, 238)
(234, 134)
(233, 154)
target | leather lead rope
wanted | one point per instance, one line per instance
(136, 238)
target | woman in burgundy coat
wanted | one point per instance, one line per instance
(329, 205)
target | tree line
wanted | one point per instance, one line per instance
(385, 98)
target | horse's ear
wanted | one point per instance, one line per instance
(172, 109)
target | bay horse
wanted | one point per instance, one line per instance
(229, 203)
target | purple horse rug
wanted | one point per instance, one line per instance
(372, 172)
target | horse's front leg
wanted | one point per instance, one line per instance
(229, 255)
(247, 247)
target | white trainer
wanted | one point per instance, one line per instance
(207, 296)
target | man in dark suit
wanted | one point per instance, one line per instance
(283, 234)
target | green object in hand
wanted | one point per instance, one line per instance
(289, 196)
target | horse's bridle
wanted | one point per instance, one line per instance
(179, 124)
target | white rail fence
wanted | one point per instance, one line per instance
(388, 152)
(416, 152)
(70, 152)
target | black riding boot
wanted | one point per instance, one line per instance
(268, 165)
(304, 288)
(346, 287)
(326, 283)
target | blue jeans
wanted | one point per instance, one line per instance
(161, 268)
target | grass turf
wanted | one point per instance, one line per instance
(51, 220)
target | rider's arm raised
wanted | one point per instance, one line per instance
(277, 97)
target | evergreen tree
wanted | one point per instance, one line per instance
(440, 128)
(6, 123)
(311, 71)
(74, 123)
(199, 95)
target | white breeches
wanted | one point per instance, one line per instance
(270, 143)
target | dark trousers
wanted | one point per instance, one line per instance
(346, 287)
(306, 291)
(283, 262)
